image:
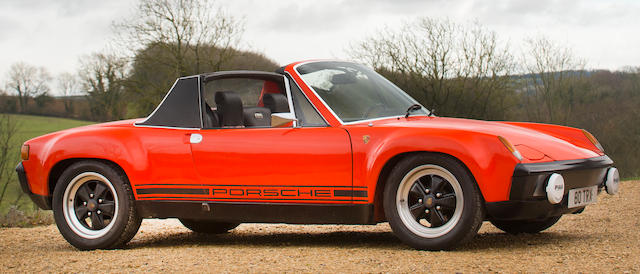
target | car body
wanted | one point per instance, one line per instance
(314, 142)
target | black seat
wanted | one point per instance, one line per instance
(229, 109)
(256, 117)
(210, 117)
(276, 102)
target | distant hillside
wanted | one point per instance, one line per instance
(147, 83)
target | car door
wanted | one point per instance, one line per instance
(308, 163)
(275, 164)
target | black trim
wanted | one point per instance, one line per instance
(22, 178)
(179, 108)
(529, 180)
(350, 193)
(258, 212)
(251, 199)
(260, 75)
(596, 162)
(43, 202)
(195, 191)
(528, 198)
(275, 186)
(533, 186)
(528, 210)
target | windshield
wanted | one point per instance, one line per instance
(355, 92)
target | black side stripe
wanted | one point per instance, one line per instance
(349, 193)
(153, 198)
(273, 186)
(196, 191)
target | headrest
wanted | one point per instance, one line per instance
(210, 117)
(257, 117)
(276, 102)
(229, 108)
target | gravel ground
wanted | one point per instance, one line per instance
(605, 238)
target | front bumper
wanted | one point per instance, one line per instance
(43, 202)
(527, 198)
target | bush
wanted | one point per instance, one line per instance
(18, 218)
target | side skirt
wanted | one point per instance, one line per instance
(258, 212)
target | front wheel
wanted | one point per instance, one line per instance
(93, 206)
(525, 226)
(432, 202)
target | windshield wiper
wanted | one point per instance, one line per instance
(412, 108)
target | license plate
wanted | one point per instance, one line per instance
(583, 196)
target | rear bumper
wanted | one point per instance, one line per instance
(527, 197)
(43, 202)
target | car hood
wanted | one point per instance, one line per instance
(536, 142)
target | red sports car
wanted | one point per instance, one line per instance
(317, 142)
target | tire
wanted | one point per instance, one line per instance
(432, 221)
(94, 207)
(208, 227)
(525, 226)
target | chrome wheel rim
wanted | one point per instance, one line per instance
(90, 205)
(429, 201)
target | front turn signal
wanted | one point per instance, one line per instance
(593, 140)
(510, 147)
(24, 152)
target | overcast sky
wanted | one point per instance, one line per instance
(54, 34)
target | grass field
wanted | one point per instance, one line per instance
(28, 127)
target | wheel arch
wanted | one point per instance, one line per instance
(392, 162)
(59, 167)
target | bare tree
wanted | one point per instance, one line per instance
(68, 85)
(554, 83)
(457, 69)
(183, 27)
(27, 82)
(8, 128)
(102, 76)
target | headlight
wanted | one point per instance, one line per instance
(555, 188)
(612, 181)
(593, 140)
(510, 147)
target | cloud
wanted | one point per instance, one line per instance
(55, 33)
(306, 17)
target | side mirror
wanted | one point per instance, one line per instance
(282, 118)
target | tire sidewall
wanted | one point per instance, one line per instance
(471, 216)
(124, 198)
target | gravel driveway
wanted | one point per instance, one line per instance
(606, 237)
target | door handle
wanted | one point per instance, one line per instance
(195, 138)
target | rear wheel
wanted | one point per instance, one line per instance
(93, 206)
(525, 226)
(432, 202)
(208, 227)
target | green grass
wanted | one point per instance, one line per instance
(33, 126)
(29, 127)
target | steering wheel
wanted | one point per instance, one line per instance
(370, 109)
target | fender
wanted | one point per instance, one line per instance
(100, 143)
(127, 146)
(482, 154)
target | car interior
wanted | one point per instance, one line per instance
(230, 112)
